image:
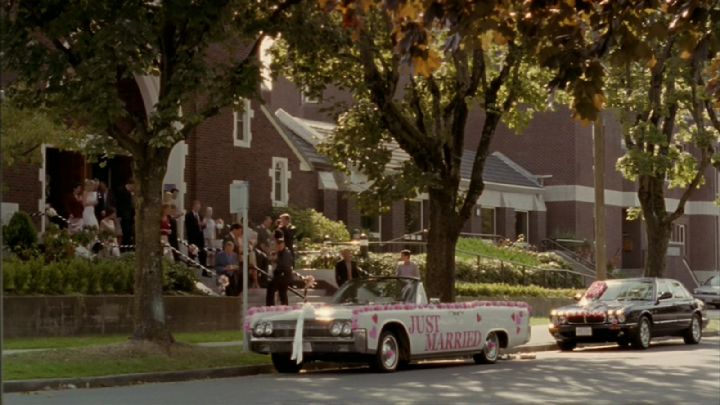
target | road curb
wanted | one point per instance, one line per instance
(130, 379)
(187, 375)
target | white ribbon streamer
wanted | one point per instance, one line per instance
(297, 350)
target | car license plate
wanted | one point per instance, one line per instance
(307, 347)
(583, 331)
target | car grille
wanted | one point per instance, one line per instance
(310, 329)
(585, 318)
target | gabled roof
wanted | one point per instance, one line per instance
(306, 134)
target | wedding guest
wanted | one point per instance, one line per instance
(126, 212)
(194, 231)
(74, 208)
(90, 200)
(102, 200)
(209, 233)
(264, 234)
(288, 230)
(227, 264)
(109, 225)
(173, 237)
(282, 275)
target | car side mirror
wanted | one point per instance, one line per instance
(578, 296)
(664, 296)
(434, 300)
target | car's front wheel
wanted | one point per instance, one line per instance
(491, 350)
(641, 338)
(387, 357)
(283, 363)
(693, 334)
(567, 345)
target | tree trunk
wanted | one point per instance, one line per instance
(658, 235)
(651, 194)
(149, 316)
(443, 234)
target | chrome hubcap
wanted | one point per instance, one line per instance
(491, 346)
(695, 329)
(645, 333)
(389, 352)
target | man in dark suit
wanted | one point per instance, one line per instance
(282, 275)
(346, 269)
(288, 230)
(194, 231)
(126, 212)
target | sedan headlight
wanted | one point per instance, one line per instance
(268, 329)
(346, 329)
(620, 315)
(336, 328)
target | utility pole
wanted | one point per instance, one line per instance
(599, 166)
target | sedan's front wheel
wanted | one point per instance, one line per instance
(693, 335)
(643, 334)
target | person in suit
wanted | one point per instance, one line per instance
(194, 231)
(264, 234)
(346, 269)
(288, 230)
(283, 273)
(126, 212)
(102, 200)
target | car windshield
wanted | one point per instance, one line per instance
(620, 290)
(713, 281)
(376, 291)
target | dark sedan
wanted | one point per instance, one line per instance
(629, 312)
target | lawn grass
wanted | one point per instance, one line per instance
(470, 247)
(85, 341)
(714, 325)
(122, 359)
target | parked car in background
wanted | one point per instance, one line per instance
(629, 312)
(709, 291)
(386, 322)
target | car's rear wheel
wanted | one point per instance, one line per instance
(283, 363)
(693, 334)
(387, 358)
(567, 345)
(491, 350)
(642, 336)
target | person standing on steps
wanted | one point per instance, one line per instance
(194, 231)
(282, 274)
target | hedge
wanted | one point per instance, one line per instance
(89, 277)
(506, 290)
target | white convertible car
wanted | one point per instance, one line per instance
(386, 322)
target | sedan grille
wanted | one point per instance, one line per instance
(586, 318)
(310, 329)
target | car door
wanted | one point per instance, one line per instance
(683, 304)
(663, 310)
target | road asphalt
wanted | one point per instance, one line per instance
(670, 372)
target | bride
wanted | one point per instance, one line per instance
(90, 200)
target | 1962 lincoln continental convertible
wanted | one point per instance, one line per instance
(386, 322)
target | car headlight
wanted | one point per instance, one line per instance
(268, 329)
(336, 328)
(259, 329)
(346, 329)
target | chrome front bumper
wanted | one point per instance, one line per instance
(355, 344)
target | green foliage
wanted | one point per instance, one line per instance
(313, 226)
(506, 290)
(86, 277)
(20, 234)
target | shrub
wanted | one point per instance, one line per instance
(83, 276)
(506, 290)
(20, 234)
(314, 226)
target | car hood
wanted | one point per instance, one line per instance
(310, 312)
(595, 306)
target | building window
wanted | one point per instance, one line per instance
(487, 221)
(307, 98)
(522, 225)
(280, 175)
(677, 236)
(413, 217)
(371, 225)
(242, 128)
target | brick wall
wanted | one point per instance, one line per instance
(21, 185)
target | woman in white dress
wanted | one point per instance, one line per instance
(90, 200)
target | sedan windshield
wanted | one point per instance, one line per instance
(376, 291)
(713, 281)
(620, 290)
